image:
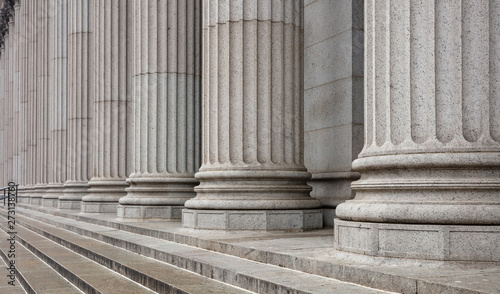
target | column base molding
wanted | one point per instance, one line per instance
(253, 220)
(167, 212)
(432, 242)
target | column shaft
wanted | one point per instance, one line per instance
(80, 108)
(167, 108)
(432, 125)
(57, 102)
(253, 175)
(41, 96)
(113, 105)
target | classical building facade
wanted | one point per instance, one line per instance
(262, 115)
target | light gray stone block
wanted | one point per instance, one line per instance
(434, 242)
(265, 220)
(148, 212)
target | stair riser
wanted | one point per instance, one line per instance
(204, 269)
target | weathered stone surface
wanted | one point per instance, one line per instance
(167, 109)
(113, 104)
(80, 133)
(431, 153)
(253, 110)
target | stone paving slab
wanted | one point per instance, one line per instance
(250, 275)
(309, 252)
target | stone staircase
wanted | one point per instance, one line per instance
(58, 254)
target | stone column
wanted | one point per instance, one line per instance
(80, 108)
(32, 109)
(57, 102)
(22, 132)
(16, 170)
(430, 167)
(8, 101)
(253, 176)
(41, 96)
(167, 112)
(113, 105)
(3, 152)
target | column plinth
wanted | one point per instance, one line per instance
(430, 167)
(253, 176)
(167, 109)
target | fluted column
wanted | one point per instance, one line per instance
(80, 108)
(253, 176)
(41, 96)
(167, 112)
(57, 102)
(3, 151)
(32, 113)
(22, 127)
(432, 133)
(113, 105)
(16, 101)
(8, 102)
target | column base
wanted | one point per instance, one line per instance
(253, 220)
(50, 202)
(433, 242)
(98, 207)
(50, 199)
(69, 204)
(147, 212)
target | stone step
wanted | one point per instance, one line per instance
(250, 275)
(155, 275)
(32, 273)
(87, 275)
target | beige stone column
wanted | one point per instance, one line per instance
(16, 101)
(32, 113)
(9, 101)
(80, 108)
(57, 102)
(167, 108)
(22, 132)
(253, 176)
(430, 167)
(113, 105)
(3, 150)
(41, 96)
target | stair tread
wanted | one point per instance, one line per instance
(99, 277)
(251, 274)
(41, 277)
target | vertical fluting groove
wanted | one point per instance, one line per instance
(475, 41)
(80, 91)
(399, 92)
(448, 69)
(111, 109)
(381, 70)
(252, 88)
(422, 70)
(369, 80)
(166, 105)
(494, 83)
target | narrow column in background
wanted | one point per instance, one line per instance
(253, 175)
(80, 108)
(41, 96)
(57, 102)
(113, 105)
(167, 111)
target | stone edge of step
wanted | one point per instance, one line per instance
(345, 273)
